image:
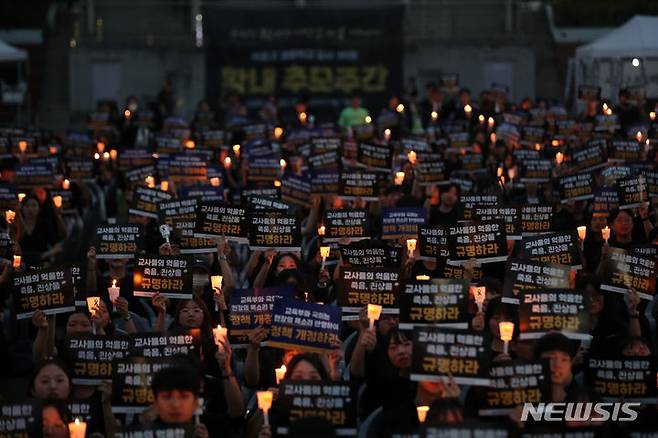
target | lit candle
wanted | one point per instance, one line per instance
(435, 116)
(324, 253)
(52, 150)
(10, 215)
(582, 231)
(506, 330)
(66, 184)
(399, 178)
(106, 156)
(265, 403)
(321, 230)
(277, 183)
(422, 413)
(278, 132)
(479, 294)
(399, 108)
(126, 114)
(652, 115)
(282, 164)
(387, 134)
(17, 262)
(638, 136)
(303, 117)
(189, 144)
(467, 110)
(150, 182)
(236, 150)
(113, 291)
(219, 334)
(606, 233)
(214, 181)
(490, 122)
(216, 281)
(499, 172)
(422, 277)
(481, 119)
(92, 304)
(114, 154)
(493, 137)
(57, 200)
(280, 373)
(374, 311)
(77, 429)
(227, 162)
(22, 146)
(538, 147)
(97, 156)
(511, 172)
(412, 157)
(368, 119)
(164, 186)
(21, 196)
(559, 157)
(411, 247)
(100, 147)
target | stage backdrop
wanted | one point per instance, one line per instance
(326, 53)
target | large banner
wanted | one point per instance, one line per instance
(326, 53)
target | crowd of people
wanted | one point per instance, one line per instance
(483, 145)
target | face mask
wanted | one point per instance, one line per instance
(200, 280)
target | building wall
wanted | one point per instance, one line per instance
(471, 63)
(140, 73)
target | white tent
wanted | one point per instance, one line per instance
(11, 54)
(611, 61)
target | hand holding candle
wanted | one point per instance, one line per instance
(479, 294)
(411, 247)
(412, 157)
(265, 403)
(92, 305)
(113, 291)
(324, 253)
(17, 262)
(216, 282)
(374, 311)
(582, 232)
(10, 215)
(219, 334)
(399, 178)
(280, 373)
(506, 330)
(605, 233)
(57, 201)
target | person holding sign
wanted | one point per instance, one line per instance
(40, 230)
(301, 367)
(223, 388)
(497, 312)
